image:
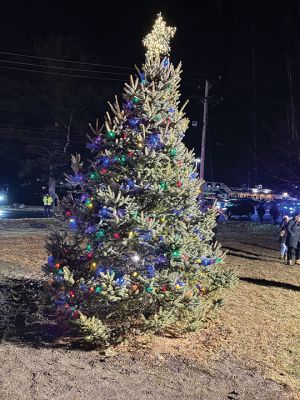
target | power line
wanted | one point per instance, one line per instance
(57, 73)
(93, 64)
(36, 128)
(62, 60)
(40, 139)
(65, 68)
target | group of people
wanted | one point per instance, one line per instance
(289, 238)
(274, 213)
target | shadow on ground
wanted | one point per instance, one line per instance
(270, 283)
(25, 317)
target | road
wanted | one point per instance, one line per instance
(20, 213)
(7, 212)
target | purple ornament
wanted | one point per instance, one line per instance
(161, 259)
(83, 197)
(121, 212)
(90, 229)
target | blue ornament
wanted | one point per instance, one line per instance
(205, 262)
(180, 283)
(151, 270)
(105, 161)
(50, 261)
(73, 223)
(83, 287)
(100, 270)
(120, 281)
(94, 145)
(133, 121)
(146, 235)
(60, 302)
(104, 213)
(166, 62)
(171, 110)
(76, 179)
(193, 176)
(154, 141)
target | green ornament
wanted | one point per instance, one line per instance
(123, 159)
(176, 253)
(111, 134)
(163, 185)
(89, 247)
(143, 82)
(218, 259)
(93, 175)
(117, 159)
(134, 213)
(157, 118)
(136, 100)
(100, 233)
(149, 289)
(173, 152)
(98, 289)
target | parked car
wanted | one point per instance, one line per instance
(240, 207)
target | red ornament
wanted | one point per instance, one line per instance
(91, 289)
(103, 171)
(68, 213)
(179, 184)
(57, 265)
(76, 314)
(89, 255)
(117, 236)
(124, 135)
(130, 154)
(164, 288)
(71, 293)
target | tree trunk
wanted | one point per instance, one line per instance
(52, 184)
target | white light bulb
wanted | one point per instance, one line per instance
(135, 258)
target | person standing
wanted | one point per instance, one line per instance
(282, 237)
(274, 212)
(293, 240)
(47, 200)
(261, 212)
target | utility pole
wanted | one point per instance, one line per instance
(204, 128)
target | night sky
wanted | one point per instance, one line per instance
(243, 48)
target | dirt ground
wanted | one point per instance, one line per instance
(249, 350)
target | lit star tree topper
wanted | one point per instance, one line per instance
(157, 42)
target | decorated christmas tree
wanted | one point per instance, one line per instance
(133, 251)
